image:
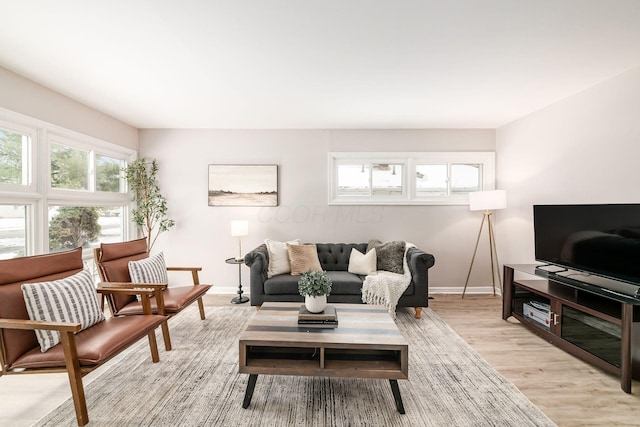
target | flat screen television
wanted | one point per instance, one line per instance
(603, 240)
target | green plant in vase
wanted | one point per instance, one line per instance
(315, 286)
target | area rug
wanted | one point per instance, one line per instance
(198, 384)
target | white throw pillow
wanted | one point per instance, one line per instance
(278, 256)
(72, 299)
(360, 263)
(149, 270)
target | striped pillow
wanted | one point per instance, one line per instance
(72, 299)
(149, 270)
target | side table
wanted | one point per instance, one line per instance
(239, 299)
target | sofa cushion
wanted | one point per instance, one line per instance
(72, 299)
(278, 256)
(303, 259)
(343, 283)
(360, 263)
(390, 255)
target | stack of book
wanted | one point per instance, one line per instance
(325, 319)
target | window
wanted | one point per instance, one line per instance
(13, 231)
(86, 226)
(421, 178)
(77, 198)
(15, 148)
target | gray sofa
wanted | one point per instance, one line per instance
(346, 288)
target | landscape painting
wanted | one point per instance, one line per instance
(243, 185)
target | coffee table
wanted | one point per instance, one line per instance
(366, 344)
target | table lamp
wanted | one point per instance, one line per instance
(487, 201)
(239, 228)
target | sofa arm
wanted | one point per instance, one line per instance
(258, 262)
(419, 262)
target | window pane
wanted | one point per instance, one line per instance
(13, 231)
(386, 179)
(13, 157)
(465, 178)
(86, 226)
(69, 168)
(108, 173)
(431, 180)
(353, 180)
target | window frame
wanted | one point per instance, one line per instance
(39, 195)
(410, 160)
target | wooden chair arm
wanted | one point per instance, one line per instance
(184, 268)
(39, 324)
(131, 286)
(145, 290)
(194, 272)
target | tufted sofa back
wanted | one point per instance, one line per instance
(335, 256)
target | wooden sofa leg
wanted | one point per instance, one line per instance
(201, 307)
(75, 376)
(165, 335)
(418, 312)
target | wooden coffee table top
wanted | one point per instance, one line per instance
(366, 344)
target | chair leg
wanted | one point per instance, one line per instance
(165, 335)
(75, 377)
(201, 307)
(153, 345)
(418, 312)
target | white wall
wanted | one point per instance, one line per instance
(23, 96)
(583, 149)
(202, 234)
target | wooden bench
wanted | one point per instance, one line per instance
(79, 351)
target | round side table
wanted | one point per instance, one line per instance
(239, 299)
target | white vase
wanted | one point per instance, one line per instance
(315, 304)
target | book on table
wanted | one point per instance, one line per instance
(325, 319)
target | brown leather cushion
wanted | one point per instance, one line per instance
(114, 264)
(175, 299)
(112, 251)
(31, 269)
(20, 270)
(96, 344)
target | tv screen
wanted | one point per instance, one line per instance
(598, 239)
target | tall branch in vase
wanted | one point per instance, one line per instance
(150, 215)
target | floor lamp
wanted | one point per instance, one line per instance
(487, 201)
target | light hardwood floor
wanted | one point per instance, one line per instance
(569, 391)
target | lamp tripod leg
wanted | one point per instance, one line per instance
(473, 257)
(494, 252)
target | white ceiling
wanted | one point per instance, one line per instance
(265, 64)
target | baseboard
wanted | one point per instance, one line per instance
(226, 290)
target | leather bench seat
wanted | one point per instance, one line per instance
(95, 345)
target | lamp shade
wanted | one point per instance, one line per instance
(239, 228)
(487, 200)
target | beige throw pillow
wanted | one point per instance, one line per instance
(363, 264)
(278, 256)
(303, 258)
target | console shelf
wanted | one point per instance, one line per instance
(596, 325)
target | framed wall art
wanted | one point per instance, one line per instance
(243, 185)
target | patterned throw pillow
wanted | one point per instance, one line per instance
(72, 299)
(278, 256)
(149, 270)
(360, 263)
(303, 258)
(390, 255)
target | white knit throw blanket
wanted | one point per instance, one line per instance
(386, 288)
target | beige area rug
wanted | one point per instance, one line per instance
(198, 384)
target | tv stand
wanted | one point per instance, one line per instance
(597, 325)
